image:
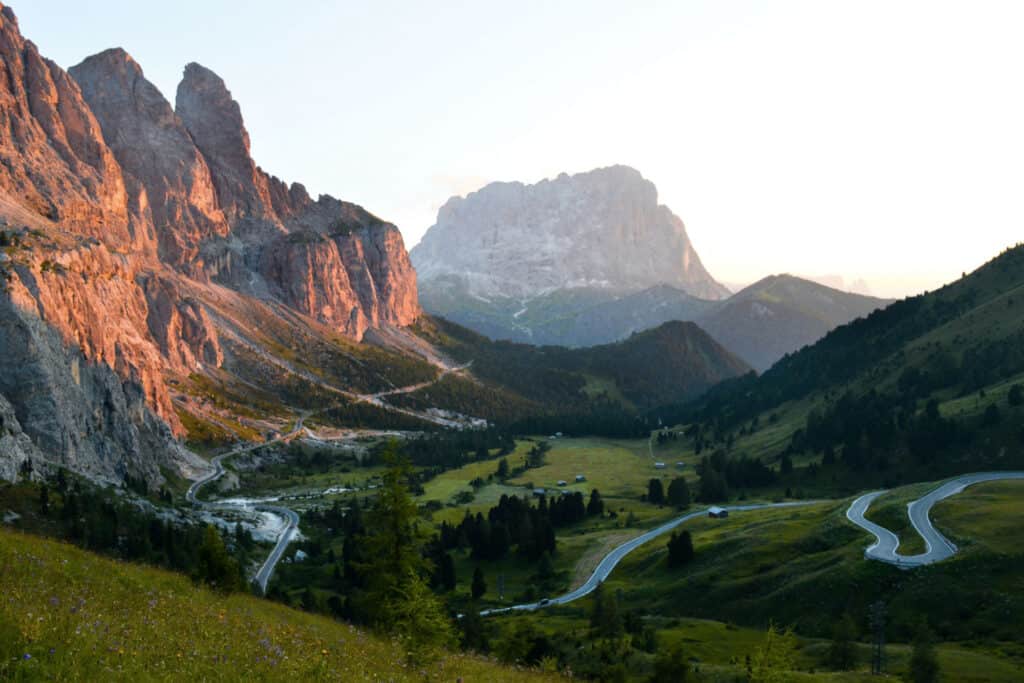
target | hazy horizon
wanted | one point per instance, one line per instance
(877, 141)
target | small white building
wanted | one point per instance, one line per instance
(717, 512)
(659, 465)
(539, 492)
(563, 482)
(580, 478)
(300, 555)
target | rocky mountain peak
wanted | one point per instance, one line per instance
(602, 229)
(54, 163)
(214, 119)
(157, 155)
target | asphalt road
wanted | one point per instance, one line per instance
(938, 546)
(267, 570)
(609, 562)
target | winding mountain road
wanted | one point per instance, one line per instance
(938, 546)
(609, 562)
(291, 517)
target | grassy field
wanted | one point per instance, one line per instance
(718, 650)
(70, 615)
(619, 469)
(616, 468)
(984, 517)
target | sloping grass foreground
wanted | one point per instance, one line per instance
(66, 614)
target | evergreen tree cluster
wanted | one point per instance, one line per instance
(680, 549)
(719, 473)
(516, 525)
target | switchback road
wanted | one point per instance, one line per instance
(938, 546)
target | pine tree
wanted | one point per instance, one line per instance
(712, 486)
(479, 586)
(401, 602)
(680, 549)
(671, 667)
(924, 665)
(655, 492)
(679, 493)
(595, 507)
(545, 568)
(474, 635)
(446, 572)
(503, 470)
(774, 660)
(842, 653)
(216, 567)
(44, 500)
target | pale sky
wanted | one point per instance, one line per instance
(876, 140)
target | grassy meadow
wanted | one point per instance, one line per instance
(66, 614)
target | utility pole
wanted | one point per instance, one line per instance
(877, 617)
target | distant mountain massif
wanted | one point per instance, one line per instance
(592, 258)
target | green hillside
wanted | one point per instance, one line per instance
(926, 387)
(804, 568)
(69, 615)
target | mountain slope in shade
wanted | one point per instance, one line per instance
(662, 365)
(761, 324)
(781, 314)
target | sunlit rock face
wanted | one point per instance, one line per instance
(126, 222)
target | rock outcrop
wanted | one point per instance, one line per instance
(157, 155)
(15, 445)
(53, 160)
(214, 120)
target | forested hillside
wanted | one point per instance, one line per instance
(931, 382)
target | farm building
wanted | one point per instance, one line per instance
(717, 512)
(659, 465)
(563, 482)
(539, 492)
(580, 478)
